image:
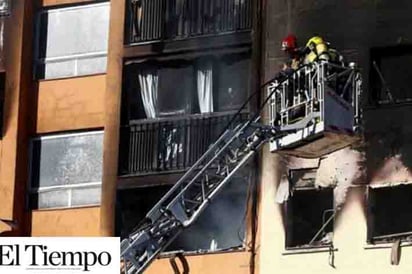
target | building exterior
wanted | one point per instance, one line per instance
(107, 103)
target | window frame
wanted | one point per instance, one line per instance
(288, 211)
(38, 190)
(40, 63)
(376, 55)
(370, 219)
(130, 69)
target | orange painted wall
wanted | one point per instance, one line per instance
(70, 104)
(225, 263)
(46, 3)
(66, 222)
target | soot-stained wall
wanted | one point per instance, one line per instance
(355, 28)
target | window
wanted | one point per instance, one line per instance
(151, 20)
(308, 210)
(4, 7)
(181, 87)
(391, 76)
(72, 41)
(220, 227)
(389, 213)
(66, 170)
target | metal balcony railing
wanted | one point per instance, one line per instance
(169, 144)
(150, 20)
(302, 94)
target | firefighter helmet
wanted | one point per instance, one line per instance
(289, 42)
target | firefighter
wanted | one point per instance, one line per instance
(295, 54)
(318, 49)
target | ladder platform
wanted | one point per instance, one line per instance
(313, 141)
(325, 120)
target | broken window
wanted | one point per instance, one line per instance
(72, 41)
(389, 213)
(220, 227)
(182, 87)
(309, 212)
(391, 76)
(66, 170)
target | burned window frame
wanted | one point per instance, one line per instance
(307, 187)
(371, 197)
(40, 31)
(376, 86)
(34, 191)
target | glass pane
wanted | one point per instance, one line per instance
(75, 30)
(59, 198)
(176, 90)
(71, 159)
(71, 33)
(86, 196)
(91, 65)
(233, 79)
(59, 69)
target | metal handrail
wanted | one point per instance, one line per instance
(314, 78)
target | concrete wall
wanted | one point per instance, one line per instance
(17, 122)
(353, 27)
(71, 104)
(65, 105)
(227, 263)
(66, 222)
(46, 3)
(33, 108)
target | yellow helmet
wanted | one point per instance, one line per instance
(314, 41)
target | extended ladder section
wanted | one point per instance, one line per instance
(320, 103)
(182, 205)
(316, 104)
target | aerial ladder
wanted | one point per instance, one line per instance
(312, 112)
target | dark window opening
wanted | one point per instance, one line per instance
(390, 74)
(220, 227)
(184, 87)
(389, 213)
(307, 211)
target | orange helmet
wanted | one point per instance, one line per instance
(289, 42)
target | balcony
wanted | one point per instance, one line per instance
(169, 144)
(159, 20)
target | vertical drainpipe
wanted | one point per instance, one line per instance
(112, 117)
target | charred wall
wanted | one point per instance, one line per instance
(360, 30)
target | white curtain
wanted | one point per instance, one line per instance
(205, 87)
(148, 89)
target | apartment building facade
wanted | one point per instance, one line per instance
(107, 103)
